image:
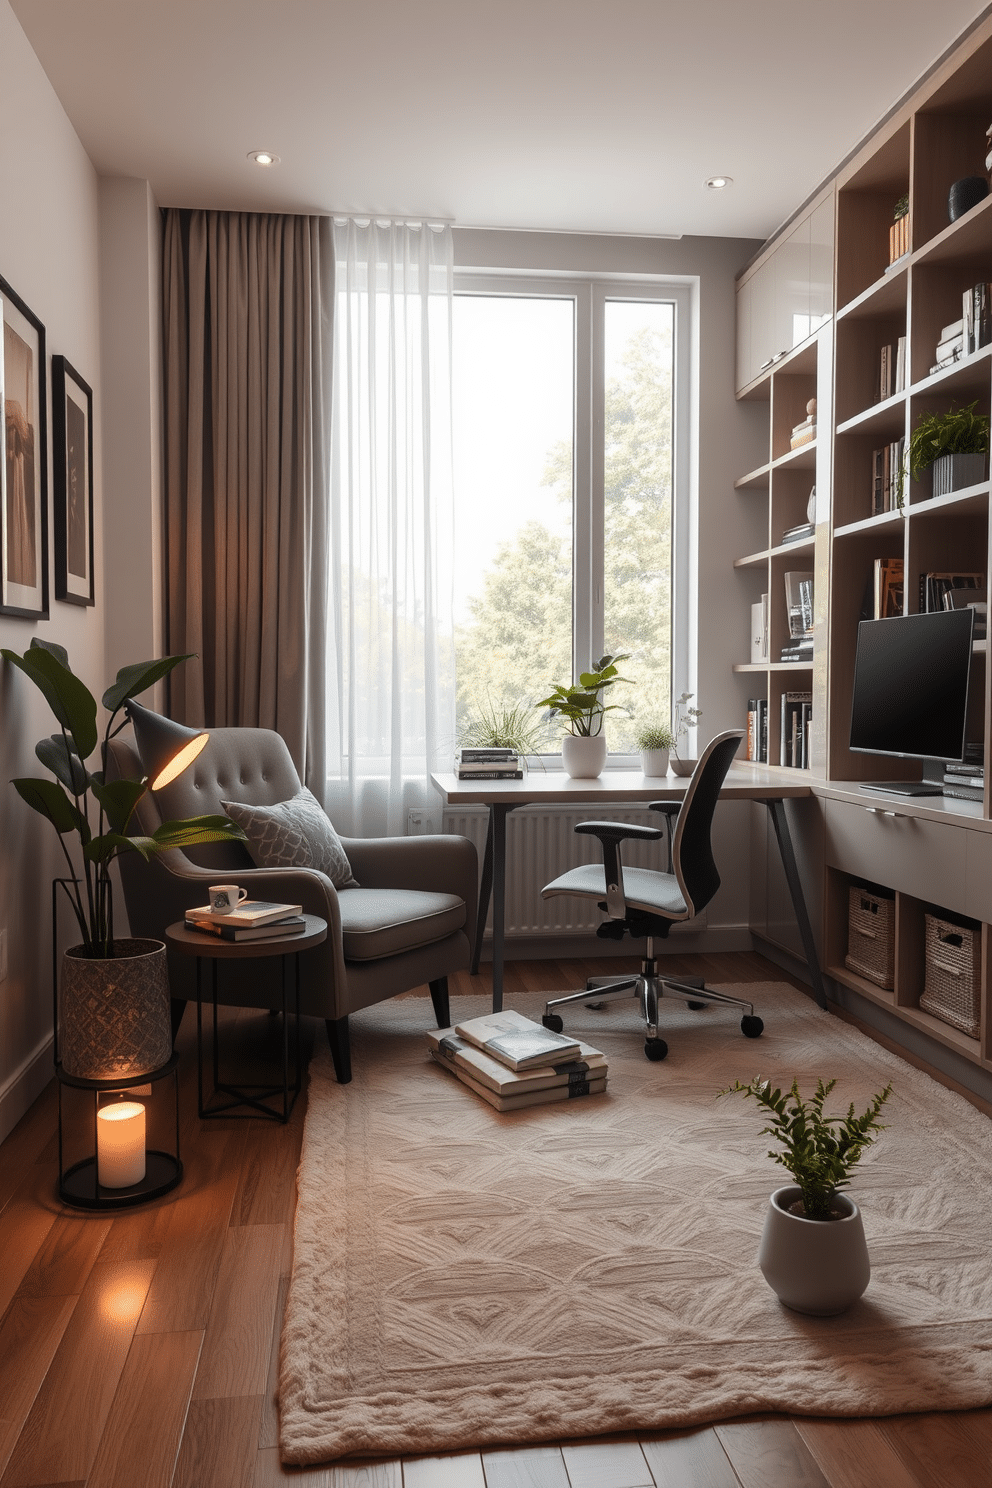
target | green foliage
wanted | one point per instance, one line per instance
(901, 208)
(504, 725)
(654, 736)
(819, 1151)
(962, 431)
(582, 702)
(78, 798)
(524, 608)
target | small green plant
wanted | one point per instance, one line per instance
(901, 208)
(819, 1151)
(962, 431)
(582, 703)
(503, 726)
(655, 736)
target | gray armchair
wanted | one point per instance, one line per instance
(410, 923)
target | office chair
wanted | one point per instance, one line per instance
(643, 902)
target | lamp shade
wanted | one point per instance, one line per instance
(165, 748)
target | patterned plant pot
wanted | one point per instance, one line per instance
(114, 1013)
(954, 472)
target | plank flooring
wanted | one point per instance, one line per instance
(140, 1350)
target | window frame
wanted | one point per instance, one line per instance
(589, 295)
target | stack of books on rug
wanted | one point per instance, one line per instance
(514, 1063)
(252, 919)
(489, 764)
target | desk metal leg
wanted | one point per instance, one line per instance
(485, 893)
(776, 809)
(494, 885)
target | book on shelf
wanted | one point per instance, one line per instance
(509, 1103)
(888, 477)
(959, 792)
(517, 1041)
(497, 774)
(271, 930)
(248, 913)
(759, 630)
(794, 729)
(801, 651)
(762, 731)
(887, 585)
(798, 533)
(899, 239)
(900, 378)
(934, 586)
(972, 768)
(471, 755)
(448, 1045)
(885, 373)
(963, 599)
(757, 731)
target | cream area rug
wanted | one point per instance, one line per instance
(463, 1278)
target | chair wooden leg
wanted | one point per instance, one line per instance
(337, 1037)
(439, 997)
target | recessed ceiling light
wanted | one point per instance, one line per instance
(718, 183)
(263, 157)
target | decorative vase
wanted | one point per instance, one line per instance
(583, 755)
(115, 1012)
(683, 766)
(965, 194)
(815, 1266)
(954, 472)
(654, 761)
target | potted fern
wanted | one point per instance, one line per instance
(583, 749)
(956, 445)
(114, 1002)
(813, 1252)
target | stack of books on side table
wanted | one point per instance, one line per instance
(252, 919)
(964, 782)
(514, 1063)
(489, 764)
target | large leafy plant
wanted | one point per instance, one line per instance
(819, 1151)
(962, 431)
(81, 801)
(582, 703)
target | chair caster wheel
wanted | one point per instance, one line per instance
(552, 1021)
(655, 1049)
(696, 1006)
(751, 1027)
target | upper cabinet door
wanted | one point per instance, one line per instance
(788, 296)
(821, 263)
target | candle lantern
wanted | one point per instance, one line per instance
(119, 1167)
(120, 1144)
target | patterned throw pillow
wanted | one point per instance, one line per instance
(294, 834)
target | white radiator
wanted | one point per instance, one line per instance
(541, 842)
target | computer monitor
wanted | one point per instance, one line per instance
(911, 679)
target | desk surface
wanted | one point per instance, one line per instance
(745, 782)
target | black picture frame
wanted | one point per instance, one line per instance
(72, 484)
(24, 464)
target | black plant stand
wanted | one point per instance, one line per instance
(78, 1184)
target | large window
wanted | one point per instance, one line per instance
(570, 476)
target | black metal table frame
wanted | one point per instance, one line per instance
(494, 884)
(254, 1096)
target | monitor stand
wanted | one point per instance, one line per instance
(902, 787)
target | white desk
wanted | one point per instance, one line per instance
(745, 782)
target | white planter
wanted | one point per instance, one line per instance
(583, 756)
(654, 761)
(814, 1266)
(683, 766)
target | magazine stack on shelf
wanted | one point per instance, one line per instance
(964, 782)
(514, 1063)
(252, 919)
(489, 764)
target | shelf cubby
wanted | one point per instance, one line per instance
(865, 208)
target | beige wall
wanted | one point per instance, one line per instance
(49, 255)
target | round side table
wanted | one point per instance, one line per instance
(207, 947)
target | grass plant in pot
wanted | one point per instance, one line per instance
(503, 725)
(655, 741)
(685, 719)
(114, 1005)
(583, 749)
(956, 444)
(813, 1253)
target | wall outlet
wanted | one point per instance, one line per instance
(3, 955)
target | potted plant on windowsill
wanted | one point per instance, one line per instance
(813, 1252)
(956, 444)
(583, 750)
(114, 1004)
(503, 725)
(655, 742)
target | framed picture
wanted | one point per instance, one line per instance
(23, 470)
(72, 484)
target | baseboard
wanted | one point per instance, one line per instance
(21, 1089)
(543, 947)
(795, 965)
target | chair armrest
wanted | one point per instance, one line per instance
(618, 831)
(611, 834)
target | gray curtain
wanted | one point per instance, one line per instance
(247, 331)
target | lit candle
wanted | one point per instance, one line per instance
(120, 1144)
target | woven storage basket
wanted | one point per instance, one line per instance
(871, 936)
(953, 974)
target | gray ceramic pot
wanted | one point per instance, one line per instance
(816, 1266)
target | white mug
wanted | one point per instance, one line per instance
(225, 897)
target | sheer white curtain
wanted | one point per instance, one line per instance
(391, 684)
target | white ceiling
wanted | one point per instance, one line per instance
(578, 115)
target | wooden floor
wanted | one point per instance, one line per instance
(139, 1351)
